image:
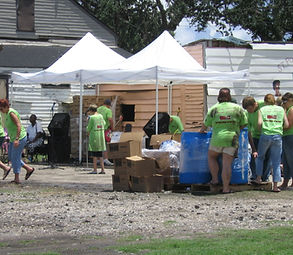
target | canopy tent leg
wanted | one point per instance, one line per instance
(157, 102)
(80, 118)
(170, 90)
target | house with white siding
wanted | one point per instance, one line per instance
(33, 35)
(266, 62)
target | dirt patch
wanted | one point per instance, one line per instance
(69, 205)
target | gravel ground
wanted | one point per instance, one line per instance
(70, 202)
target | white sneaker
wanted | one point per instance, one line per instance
(108, 163)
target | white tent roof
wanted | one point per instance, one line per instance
(87, 54)
(164, 60)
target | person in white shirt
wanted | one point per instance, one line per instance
(34, 134)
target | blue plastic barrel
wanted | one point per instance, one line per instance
(194, 158)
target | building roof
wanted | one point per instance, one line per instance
(36, 54)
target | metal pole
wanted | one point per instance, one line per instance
(157, 102)
(80, 117)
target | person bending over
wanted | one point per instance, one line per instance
(226, 120)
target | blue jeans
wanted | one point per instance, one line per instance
(267, 166)
(288, 156)
(14, 155)
(274, 144)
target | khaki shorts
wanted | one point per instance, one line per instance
(232, 151)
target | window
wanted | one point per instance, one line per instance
(25, 13)
(54, 86)
(128, 112)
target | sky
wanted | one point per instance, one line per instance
(185, 34)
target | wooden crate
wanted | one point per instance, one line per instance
(199, 188)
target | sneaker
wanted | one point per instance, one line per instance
(93, 172)
(107, 162)
(102, 172)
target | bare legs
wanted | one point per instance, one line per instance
(95, 165)
(226, 169)
(5, 168)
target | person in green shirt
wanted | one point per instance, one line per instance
(175, 125)
(18, 140)
(287, 140)
(106, 112)
(226, 120)
(252, 107)
(271, 121)
(2, 139)
(97, 145)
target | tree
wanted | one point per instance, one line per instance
(267, 20)
(137, 22)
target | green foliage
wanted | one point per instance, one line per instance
(268, 20)
(137, 22)
(271, 241)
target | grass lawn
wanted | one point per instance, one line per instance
(270, 241)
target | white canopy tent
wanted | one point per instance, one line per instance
(87, 54)
(162, 62)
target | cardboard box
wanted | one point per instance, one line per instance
(162, 160)
(123, 150)
(156, 140)
(138, 166)
(129, 145)
(120, 166)
(147, 183)
(121, 182)
(131, 136)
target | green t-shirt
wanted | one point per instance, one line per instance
(95, 128)
(2, 133)
(272, 120)
(11, 127)
(106, 113)
(226, 119)
(175, 126)
(290, 130)
(252, 120)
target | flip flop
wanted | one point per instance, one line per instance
(228, 192)
(254, 182)
(15, 182)
(92, 173)
(29, 174)
(277, 191)
(6, 173)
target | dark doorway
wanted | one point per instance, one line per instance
(128, 112)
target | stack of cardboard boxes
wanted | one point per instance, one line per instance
(132, 172)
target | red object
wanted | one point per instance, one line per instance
(108, 135)
(225, 117)
(272, 117)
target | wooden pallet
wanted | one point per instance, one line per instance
(199, 188)
(181, 188)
